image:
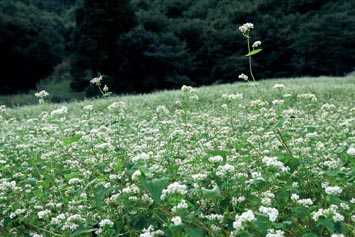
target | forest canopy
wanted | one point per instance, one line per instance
(145, 45)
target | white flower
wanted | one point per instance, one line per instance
(215, 159)
(105, 222)
(105, 89)
(256, 44)
(351, 151)
(271, 212)
(43, 214)
(188, 88)
(176, 220)
(246, 27)
(278, 86)
(243, 76)
(275, 233)
(247, 216)
(41, 94)
(337, 235)
(96, 80)
(333, 190)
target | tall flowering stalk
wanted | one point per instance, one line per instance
(97, 81)
(252, 50)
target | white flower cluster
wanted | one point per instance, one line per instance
(106, 222)
(333, 190)
(232, 96)
(72, 222)
(351, 151)
(96, 80)
(275, 233)
(17, 212)
(188, 88)
(176, 220)
(117, 106)
(214, 217)
(256, 44)
(223, 170)
(271, 212)
(60, 111)
(149, 232)
(243, 76)
(278, 86)
(43, 214)
(162, 109)
(41, 94)
(141, 156)
(215, 159)
(272, 161)
(58, 220)
(310, 96)
(181, 205)
(330, 212)
(174, 188)
(246, 27)
(305, 202)
(247, 216)
(2, 108)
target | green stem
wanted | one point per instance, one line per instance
(251, 71)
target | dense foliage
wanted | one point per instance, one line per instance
(31, 44)
(192, 163)
(174, 42)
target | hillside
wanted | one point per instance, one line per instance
(209, 161)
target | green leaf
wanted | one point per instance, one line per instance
(72, 139)
(155, 187)
(309, 235)
(194, 232)
(253, 52)
(222, 153)
(100, 194)
(212, 193)
(81, 231)
(327, 223)
(72, 175)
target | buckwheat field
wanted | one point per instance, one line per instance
(209, 161)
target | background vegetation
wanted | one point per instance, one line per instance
(141, 45)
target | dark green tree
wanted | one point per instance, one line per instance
(99, 23)
(31, 44)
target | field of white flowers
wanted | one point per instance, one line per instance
(210, 161)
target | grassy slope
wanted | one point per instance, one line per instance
(40, 147)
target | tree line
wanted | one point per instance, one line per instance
(146, 45)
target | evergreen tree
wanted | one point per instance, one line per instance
(31, 45)
(98, 26)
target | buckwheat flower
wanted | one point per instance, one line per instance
(105, 89)
(271, 212)
(188, 88)
(294, 197)
(162, 109)
(136, 174)
(245, 28)
(117, 106)
(176, 220)
(41, 94)
(2, 108)
(43, 214)
(106, 222)
(60, 111)
(215, 159)
(337, 235)
(305, 202)
(174, 188)
(181, 205)
(275, 233)
(96, 80)
(351, 151)
(247, 216)
(88, 107)
(278, 86)
(333, 190)
(256, 44)
(74, 181)
(243, 76)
